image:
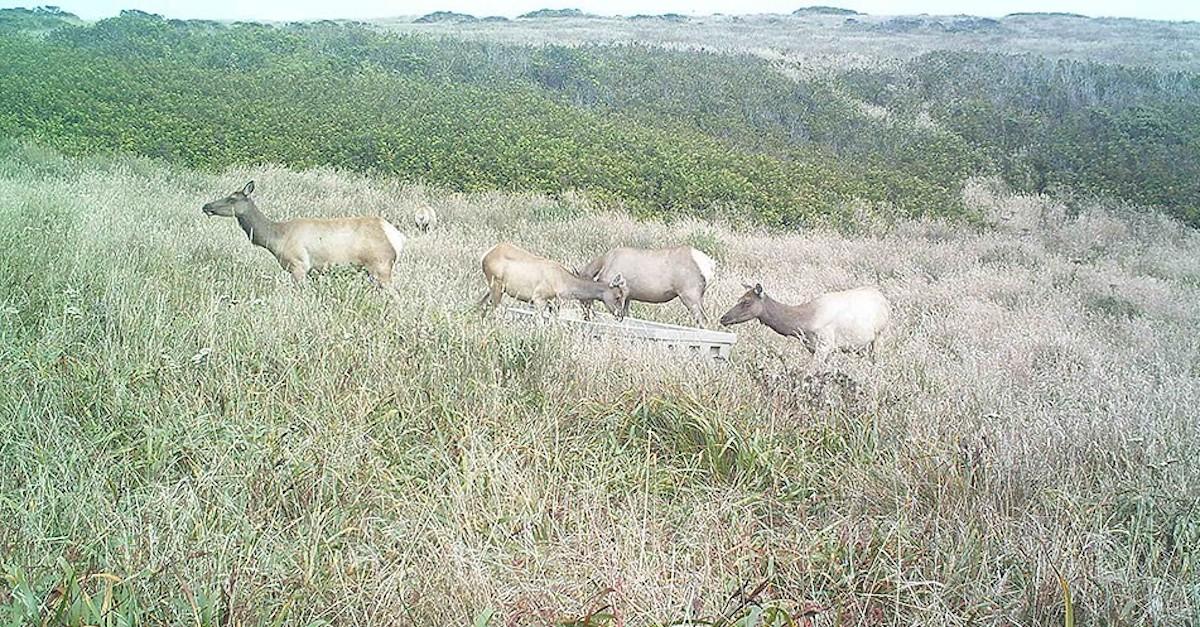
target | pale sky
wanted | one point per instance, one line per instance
(365, 9)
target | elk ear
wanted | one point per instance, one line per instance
(758, 289)
(747, 286)
(617, 281)
(248, 189)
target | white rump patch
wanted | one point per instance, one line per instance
(707, 266)
(488, 252)
(395, 237)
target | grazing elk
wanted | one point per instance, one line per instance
(425, 218)
(656, 276)
(305, 244)
(851, 320)
(532, 279)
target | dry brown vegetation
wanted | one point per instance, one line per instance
(230, 447)
(820, 43)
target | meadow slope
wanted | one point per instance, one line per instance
(183, 428)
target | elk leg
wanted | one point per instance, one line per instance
(299, 273)
(491, 298)
(381, 276)
(695, 306)
(540, 306)
(385, 279)
(484, 303)
(380, 273)
(820, 356)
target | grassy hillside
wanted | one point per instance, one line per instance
(185, 437)
(663, 132)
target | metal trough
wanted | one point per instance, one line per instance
(705, 343)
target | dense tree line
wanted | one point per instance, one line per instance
(664, 132)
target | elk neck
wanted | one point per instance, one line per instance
(260, 229)
(785, 319)
(582, 289)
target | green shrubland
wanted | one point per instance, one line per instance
(665, 133)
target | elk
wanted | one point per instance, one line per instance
(542, 282)
(306, 244)
(425, 218)
(656, 276)
(851, 320)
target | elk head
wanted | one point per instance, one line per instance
(748, 307)
(232, 205)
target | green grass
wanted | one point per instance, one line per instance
(185, 437)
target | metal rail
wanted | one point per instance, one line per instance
(703, 342)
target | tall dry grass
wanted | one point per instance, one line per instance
(184, 429)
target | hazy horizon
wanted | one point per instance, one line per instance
(277, 10)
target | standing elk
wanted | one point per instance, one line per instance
(656, 276)
(425, 218)
(542, 282)
(851, 320)
(305, 244)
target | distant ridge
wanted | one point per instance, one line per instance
(948, 24)
(444, 16)
(543, 13)
(824, 10)
(665, 17)
(34, 19)
(1047, 14)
